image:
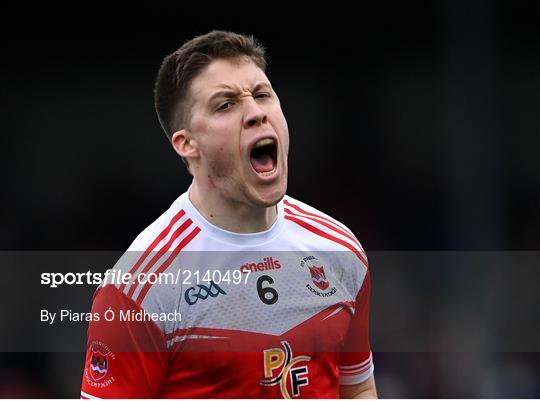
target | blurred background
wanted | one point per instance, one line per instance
(416, 123)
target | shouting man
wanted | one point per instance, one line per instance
(268, 297)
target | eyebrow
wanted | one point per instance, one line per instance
(230, 92)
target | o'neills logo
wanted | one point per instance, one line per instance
(318, 276)
(268, 263)
(97, 372)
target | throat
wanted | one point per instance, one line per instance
(230, 215)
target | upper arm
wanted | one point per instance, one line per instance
(124, 359)
(355, 360)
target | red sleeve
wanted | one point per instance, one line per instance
(355, 362)
(124, 359)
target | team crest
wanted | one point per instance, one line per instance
(98, 365)
(280, 368)
(98, 370)
(318, 277)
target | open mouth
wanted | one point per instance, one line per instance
(263, 156)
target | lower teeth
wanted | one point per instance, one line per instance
(268, 172)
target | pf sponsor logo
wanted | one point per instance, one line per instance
(318, 277)
(280, 368)
(97, 372)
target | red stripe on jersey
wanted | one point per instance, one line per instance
(169, 260)
(158, 239)
(355, 373)
(323, 234)
(353, 370)
(299, 209)
(330, 226)
(234, 340)
(356, 367)
(158, 255)
(350, 304)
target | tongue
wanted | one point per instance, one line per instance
(262, 163)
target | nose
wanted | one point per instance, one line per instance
(254, 114)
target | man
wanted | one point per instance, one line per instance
(296, 323)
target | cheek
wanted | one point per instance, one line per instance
(282, 129)
(224, 144)
(219, 146)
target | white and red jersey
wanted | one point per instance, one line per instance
(295, 326)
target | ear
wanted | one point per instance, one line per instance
(184, 144)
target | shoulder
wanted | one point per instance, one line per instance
(295, 208)
(174, 224)
(320, 226)
(153, 250)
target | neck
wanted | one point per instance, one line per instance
(231, 215)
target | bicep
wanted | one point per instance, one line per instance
(124, 359)
(356, 359)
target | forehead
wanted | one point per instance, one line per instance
(236, 74)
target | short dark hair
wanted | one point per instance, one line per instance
(179, 68)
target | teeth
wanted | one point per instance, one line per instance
(263, 142)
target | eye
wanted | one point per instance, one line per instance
(225, 106)
(262, 95)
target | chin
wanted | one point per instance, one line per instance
(267, 197)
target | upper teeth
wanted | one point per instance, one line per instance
(263, 142)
